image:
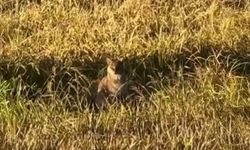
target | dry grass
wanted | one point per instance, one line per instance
(189, 60)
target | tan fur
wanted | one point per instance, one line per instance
(112, 85)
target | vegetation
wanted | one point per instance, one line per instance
(188, 62)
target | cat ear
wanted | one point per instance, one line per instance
(109, 61)
(120, 59)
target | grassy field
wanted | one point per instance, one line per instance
(189, 61)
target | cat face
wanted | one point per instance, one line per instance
(115, 68)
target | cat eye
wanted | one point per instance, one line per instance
(113, 67)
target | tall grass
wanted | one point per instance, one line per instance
(188, 61)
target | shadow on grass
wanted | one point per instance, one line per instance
(75, 82)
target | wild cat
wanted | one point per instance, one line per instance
(111, 86)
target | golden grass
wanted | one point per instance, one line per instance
(188, 59)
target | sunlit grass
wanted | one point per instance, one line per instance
(189, 61)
